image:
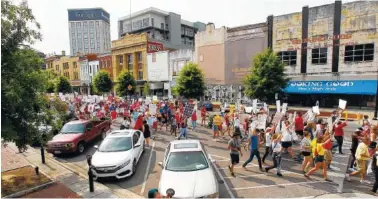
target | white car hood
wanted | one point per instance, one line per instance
(189, 184)
(104, 159)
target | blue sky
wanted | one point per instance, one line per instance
(53, 17)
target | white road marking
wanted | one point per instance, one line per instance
(147, 171)
(264, 174)
(224, 181)
(276, 185)
(224, 159)
(240, 167)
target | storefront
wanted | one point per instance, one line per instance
(358, 93)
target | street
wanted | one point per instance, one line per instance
(247, 183)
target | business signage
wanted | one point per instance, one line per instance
(358, 87)
(153, 47)
(88, 14)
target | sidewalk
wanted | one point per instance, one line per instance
(345, 195)
(61, 174)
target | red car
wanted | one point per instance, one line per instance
(75, 135)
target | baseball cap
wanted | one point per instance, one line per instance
(152, 192)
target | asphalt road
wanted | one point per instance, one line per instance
(247, 183)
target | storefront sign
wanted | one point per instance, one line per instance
(88, 14)
(153, 47)
(361, 87)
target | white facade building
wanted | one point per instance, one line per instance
(89, 31)
(88, 70)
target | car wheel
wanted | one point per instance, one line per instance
(80, 147)
(134, 167)
(103, 134)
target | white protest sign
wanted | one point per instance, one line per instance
(83, 107)
(277, 118)
(91, 108)
(60, 94)
(315, 109)
(102, 98)
(152, 109)
(342, 104)
(261, 121)
(278, 106)
(284, 108)
(154, 98)
(52, 94)
(140, 99)
(330, 124)
(254, 105)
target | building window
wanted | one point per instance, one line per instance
(140, 75)
(121, 59)
(288, 58)
(139, 57)
(130, 62)
(182, 30)
(319, 56)
(73, 25)
(97, 23)
(85, 35)
(152, 22)
(360, 52)
(79, 36)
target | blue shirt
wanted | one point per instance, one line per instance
(254, 142)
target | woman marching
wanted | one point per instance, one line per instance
(319, 158)
(306, 151)
(276, 147)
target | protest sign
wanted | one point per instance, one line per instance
(315, 109)
(330, 124)
(277, 118)
(342, 104)
(188, 110)
(261, 121)
(284, 108)
(154, 98)
(254, 105)
(278, 106)
(152, 109)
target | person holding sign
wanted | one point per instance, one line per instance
(276, 148)
(319, 158)
(339, 134)
(234, 146)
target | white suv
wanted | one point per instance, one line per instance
(118, 154)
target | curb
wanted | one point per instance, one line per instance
(31, 190)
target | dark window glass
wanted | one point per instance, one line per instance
(359, 53)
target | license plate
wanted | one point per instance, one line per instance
(57, 152)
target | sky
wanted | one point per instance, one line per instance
(53, 15)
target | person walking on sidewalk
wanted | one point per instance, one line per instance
(146, 132)
(276, 147)
(339, 134)
(194, 120)
(253, 146)
(234, 146)
(362, 157)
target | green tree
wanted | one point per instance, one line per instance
(102, 82)
(190, 83)
(146, 89)
(126, 84)
(267, 76)
(63, 85)
(22, 80)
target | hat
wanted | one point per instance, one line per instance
(152, 192)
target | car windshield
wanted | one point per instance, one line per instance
(115, 144)
(73, 128)
(187, 161)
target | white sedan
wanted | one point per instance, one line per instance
(188, 170)
(118, 155)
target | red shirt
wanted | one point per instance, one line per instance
(194, 116)
(113, 115)
(339, 129)
(139, 123)
(227, 119)
(327, 145)
(203, 111)
(299, 124)
(177, 118)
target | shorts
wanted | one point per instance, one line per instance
(319, 158)
(328, 155)
(299, 132)
(234, 158)
(286, 145)
(362, 166)
(306, 153)
(215, 128)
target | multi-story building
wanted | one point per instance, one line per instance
(330, 52)
(105, 63)
(89, 67)
(129, 54)
(89, 30)
(165, 27)
(67, 66)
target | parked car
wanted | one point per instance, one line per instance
(188, 170)
(208, 105)
(75, 135)
(118, 155)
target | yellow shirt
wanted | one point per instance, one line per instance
(313, 144)
(362, 149)
(320, 149)
(217, 120)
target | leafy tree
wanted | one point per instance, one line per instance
(146, 89)
(126, 79)
(63, 85)
(102, 82)
(190, 83)
(22, 80)
(266, 78)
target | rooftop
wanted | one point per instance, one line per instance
(96, 8)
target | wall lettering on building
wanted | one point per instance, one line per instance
(322, 46)
(85, 15)
(321, 38)
(153, 47)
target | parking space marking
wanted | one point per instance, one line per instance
(224, 181)
(276, 185)
(148, 169)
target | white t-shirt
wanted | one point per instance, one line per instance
(318, 127)
(276, 147)
(268, 137)
(286, 137)
(237, 122)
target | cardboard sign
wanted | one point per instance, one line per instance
(284, 108)
(277, 118)
(315, 109)
(342, 104)
(154, 98)
(152, 109)
(188, 110)
(330, 124)
(278, 105)
(261, 121)
(254, 105)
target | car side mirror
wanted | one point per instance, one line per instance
(160, 164)
(137, 145)
(95, 146)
